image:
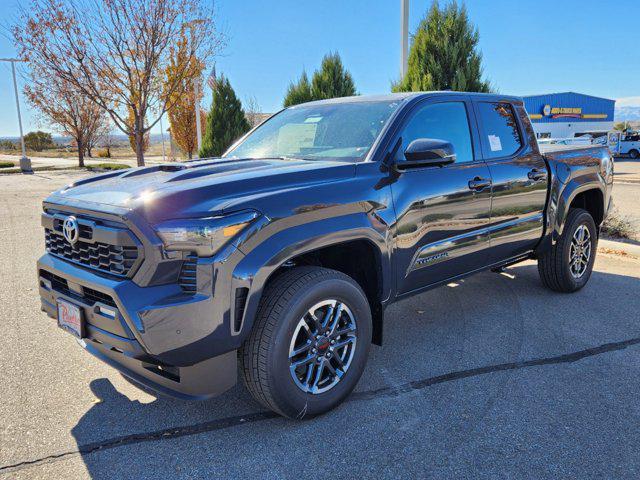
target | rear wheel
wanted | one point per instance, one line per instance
(309, 344)
(634, 153)
(568, 265)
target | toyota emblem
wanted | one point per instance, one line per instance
(70, 230)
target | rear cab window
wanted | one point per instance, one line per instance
(501, 134)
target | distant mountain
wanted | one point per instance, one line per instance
(627, 113)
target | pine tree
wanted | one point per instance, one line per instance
(226, 121)
(299, 92)
(330, 81)
(443, 54)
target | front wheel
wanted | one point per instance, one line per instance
(634, 153)
(567, 266)
(309, 344)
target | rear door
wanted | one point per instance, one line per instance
(442, 212)
(519, 175)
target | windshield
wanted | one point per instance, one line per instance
(344, 131)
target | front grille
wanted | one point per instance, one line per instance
(114, 259)
(89, 295)
(93, 296)
(188, 274)
(59, 284)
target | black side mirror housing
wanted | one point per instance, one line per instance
(428, 152)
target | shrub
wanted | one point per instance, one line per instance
(7, 145)
(6, 164)
(104, 153)
(109, 166)
(618, 226)
(38, 141)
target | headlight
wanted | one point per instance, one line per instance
(204, 236)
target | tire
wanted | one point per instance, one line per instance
(633, 153)
(556, 271)
(264, 357)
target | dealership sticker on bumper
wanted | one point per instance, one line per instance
(70, 318)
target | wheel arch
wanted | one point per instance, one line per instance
(332, 245)
(588, 195)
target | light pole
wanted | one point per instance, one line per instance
(25, 163)
(404, 37)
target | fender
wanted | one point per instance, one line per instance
(572, 189)
(255, 269)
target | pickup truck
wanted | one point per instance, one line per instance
(279, 259)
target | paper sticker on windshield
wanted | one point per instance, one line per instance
(495, 143)
(293, 137)
(312, 119)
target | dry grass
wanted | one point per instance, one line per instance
(618, 226)
(119, 152)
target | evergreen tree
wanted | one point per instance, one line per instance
(226, 121)
(443, 54)
(330, 81)
(299, 92)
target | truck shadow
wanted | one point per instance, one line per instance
(441, 337)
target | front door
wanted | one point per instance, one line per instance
(442, 212)
(519, 175)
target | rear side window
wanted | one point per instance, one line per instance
(500, 128)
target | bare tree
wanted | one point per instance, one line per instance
(116, 52)
(252, 111)
(94, 136)
(106, 139)
(63, 107)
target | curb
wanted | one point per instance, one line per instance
(618, 248)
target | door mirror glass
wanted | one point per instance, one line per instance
(424, 152)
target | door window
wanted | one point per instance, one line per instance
(502, 138)
(442, 121)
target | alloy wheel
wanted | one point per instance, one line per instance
(322, 346)
(580, 251)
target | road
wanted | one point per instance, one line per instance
(626, 190)
(490, 377)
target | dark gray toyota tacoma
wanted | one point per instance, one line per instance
(279, 259)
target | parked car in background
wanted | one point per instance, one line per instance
(283, 255)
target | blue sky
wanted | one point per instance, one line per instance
(529, 46)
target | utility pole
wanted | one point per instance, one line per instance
(25, 163)
(404, 37)
(196, 91)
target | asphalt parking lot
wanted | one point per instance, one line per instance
(490, 377)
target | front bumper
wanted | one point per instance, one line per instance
(175, 343)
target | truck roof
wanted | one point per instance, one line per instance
(413, 95)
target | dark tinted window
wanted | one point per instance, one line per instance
(443, 121)
(500, 129)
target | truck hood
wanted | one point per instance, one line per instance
(200, 188)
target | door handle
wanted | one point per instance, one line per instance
(479, 184)
(537, 174)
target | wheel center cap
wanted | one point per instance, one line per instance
(323, 344)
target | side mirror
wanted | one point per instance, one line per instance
(428, 152)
